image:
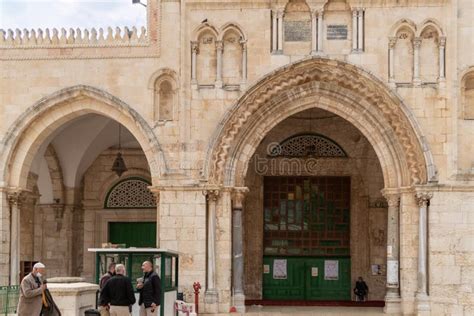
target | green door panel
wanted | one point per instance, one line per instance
(301, 284)
(133, 234)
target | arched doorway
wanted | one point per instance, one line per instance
(365, 104)
(48, 157)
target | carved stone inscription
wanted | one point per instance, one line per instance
(297, 31)
(337, 32)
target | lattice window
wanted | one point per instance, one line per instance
(130, 193)
(307, 145)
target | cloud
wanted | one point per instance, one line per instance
(70, 14)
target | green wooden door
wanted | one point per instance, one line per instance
(307, 225)
(133, 234)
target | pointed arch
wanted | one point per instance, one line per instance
(32, 128)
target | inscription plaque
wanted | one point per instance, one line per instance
(297, 31)
(337, 32)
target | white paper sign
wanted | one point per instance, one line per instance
(392, 272)
(266, 268)
(279, 269)
(331, 270)
(314, 271)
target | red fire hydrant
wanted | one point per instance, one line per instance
(196, 287)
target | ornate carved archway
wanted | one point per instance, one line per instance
(336, 86)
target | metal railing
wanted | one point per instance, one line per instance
(9, 296)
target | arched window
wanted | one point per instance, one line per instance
(307, 145)
(232, 58)
(206, 64)
(467, 93)
(130, 193)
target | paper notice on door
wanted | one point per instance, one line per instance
(266, 268)
(331, 270)
(314, 271)
(279, 269)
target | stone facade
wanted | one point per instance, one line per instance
(202, 91)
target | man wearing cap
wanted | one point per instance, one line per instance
(31, 290)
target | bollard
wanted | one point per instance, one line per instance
(196, 287)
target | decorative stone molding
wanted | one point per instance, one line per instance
(55, 38)
(238, 196)
(423, 198)
(336, 75)
(16, 198)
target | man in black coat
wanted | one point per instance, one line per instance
(117, 293)
(150, 291)
(361, 289)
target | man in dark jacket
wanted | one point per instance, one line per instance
(361, 289)
(150, 291)
(117, 293)
(104, 311)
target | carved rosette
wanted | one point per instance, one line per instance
(423, 198)
(321, 70)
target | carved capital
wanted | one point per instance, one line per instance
(423, 198)
(195, 47)
(391, 42)
(280, 14)
(314, 14)
(238, 196)
(16, 198)
(211, 194)
(442, 41)
(219, 45)
(417, 42)
(243, 43)
(393, 200)
(320, 14)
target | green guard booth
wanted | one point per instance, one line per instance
(165, 261)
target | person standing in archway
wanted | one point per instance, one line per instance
(150, 291)
(31, 292)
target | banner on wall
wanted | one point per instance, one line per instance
(280, 269)
(331, 270)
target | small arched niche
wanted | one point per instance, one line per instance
(206, 58)
(429, 55)
(165, 98)
(338, 27)
(232, 57)
(403, 55)
(297, 28)
(467, 94)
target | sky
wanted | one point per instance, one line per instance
(34, 14)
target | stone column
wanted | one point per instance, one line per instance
(314, 30)
(274, 31)
(320, 32)
(280, 32)
(14, 200)
(211, 295)
(391, 59)
(156, 193)
(354, 30)
(360, 30)
(416, 61)
(422, 299)
(392, 297)
(219, 48)
(237, 245)
(194, 52)
(243, 80)
(442, 58)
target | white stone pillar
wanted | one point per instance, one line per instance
(219, 48)
(194, 52)
(392, 297)
(237, 249)
(360, 30)
(211, 295)
(416, 61)
(442, 58)
(243, 80)
(314, 31)
(320, 32)
(422, 298)
(280, 32)
(274, 31)
(391, 59)
(354, 30)
(14, 200)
